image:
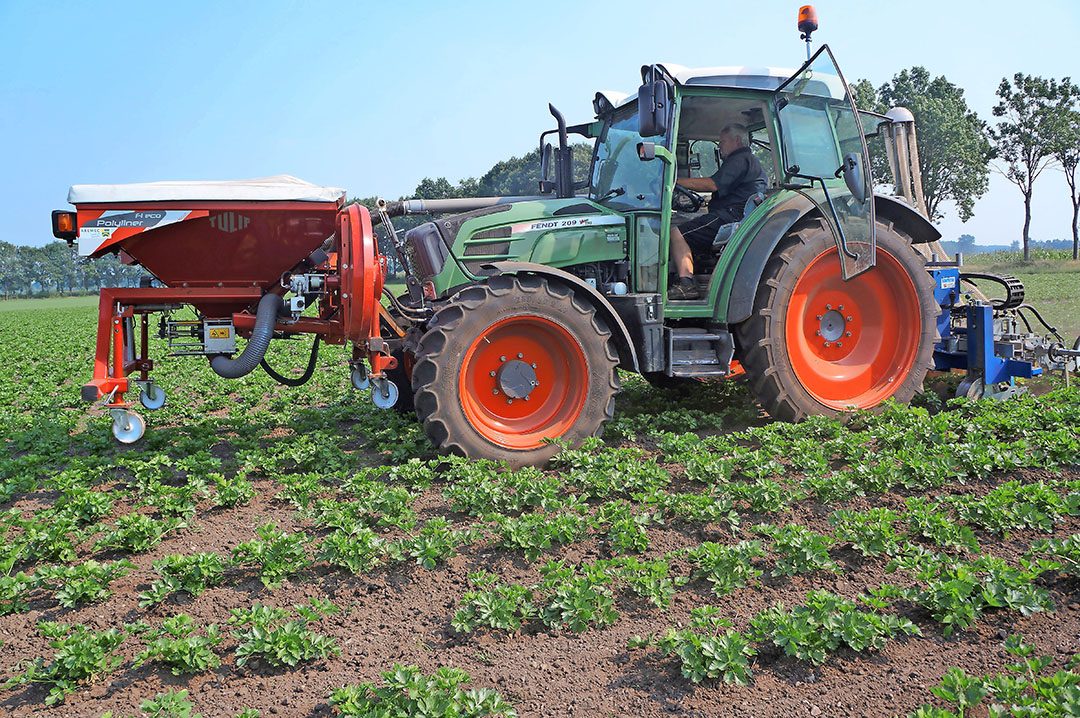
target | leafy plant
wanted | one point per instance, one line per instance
(358, 550)
(170, 704)
(177, 645)
(1024, 691)
(869, 532)
(625, 528)
(436, 542)
(801, 550)
(924, 520)
(136, 533)
(1066, 552)
(579, 602)
(231, 492)
(533, 533)
(82, 656)
(192, 574)
(703, 652)
(726, 567)
(280, 643)
(82, 583)
(493, 605)
(276, 554)
(812, 631)
(407, 692)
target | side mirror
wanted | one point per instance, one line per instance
(854, 176)
(652, 108)
(646, 151)
(547, 155)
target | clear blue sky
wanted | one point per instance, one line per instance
(374, 97)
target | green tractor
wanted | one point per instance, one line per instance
(521, 309)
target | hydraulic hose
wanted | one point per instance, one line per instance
(303, 378)
(270, 307)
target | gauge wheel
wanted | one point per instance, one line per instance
(511, 362)
(816, 344)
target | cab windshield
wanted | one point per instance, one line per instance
(620, 180)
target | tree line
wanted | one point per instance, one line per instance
(1037, 128)
(56, 268)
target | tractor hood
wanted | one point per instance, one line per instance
(453, 249)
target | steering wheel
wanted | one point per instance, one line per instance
(685, 200)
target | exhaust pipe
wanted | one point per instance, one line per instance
(271, 306)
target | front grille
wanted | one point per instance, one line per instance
(487, 249)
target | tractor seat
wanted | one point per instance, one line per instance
(725, 232)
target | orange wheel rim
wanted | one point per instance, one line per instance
(852, 344)
(523, 379)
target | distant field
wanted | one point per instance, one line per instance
(1051, 280)
(11, 305)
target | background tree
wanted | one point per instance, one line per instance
(1067, 153)
(954, 148)
(965, 243)
(1029, 109)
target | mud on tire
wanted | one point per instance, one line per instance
(539, 331)
(815, 344)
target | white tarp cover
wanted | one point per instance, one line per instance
(281, 188)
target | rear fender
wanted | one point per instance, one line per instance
(627, 354)
(906, 219)
(742, 276)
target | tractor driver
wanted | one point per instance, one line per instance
(739, 177)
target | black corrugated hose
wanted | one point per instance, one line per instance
(303, 378)
(271, 306)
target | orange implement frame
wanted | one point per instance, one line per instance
(350, 312)
(115, 354)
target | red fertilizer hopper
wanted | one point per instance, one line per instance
(232, 250)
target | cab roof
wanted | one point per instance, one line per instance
(750, 77)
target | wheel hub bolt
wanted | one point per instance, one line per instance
(828, 306)
(841, 307)
(492, 373)
(520, 355)
(847, 334)
(826, 344)
(502, 358)
(848, 318)
(819, 317)
(839, 344)
(533, 365)
(510, 401)
(494, 391)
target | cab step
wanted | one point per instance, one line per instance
(694, 352)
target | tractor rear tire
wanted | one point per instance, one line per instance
(510, 362)
(816, 344)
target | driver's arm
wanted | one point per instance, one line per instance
(697, 184)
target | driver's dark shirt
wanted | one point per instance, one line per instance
(739, 178)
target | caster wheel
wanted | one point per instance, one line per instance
(128, 427)
(359, 379)
(152, 397)
(384, 393)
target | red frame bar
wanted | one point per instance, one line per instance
(116, 303)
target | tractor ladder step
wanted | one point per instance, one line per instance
(698, 353)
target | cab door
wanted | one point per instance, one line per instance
(822, 142)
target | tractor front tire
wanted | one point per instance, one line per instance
(816, 344)
(511, 362)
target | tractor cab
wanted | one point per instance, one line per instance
(803, 129)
